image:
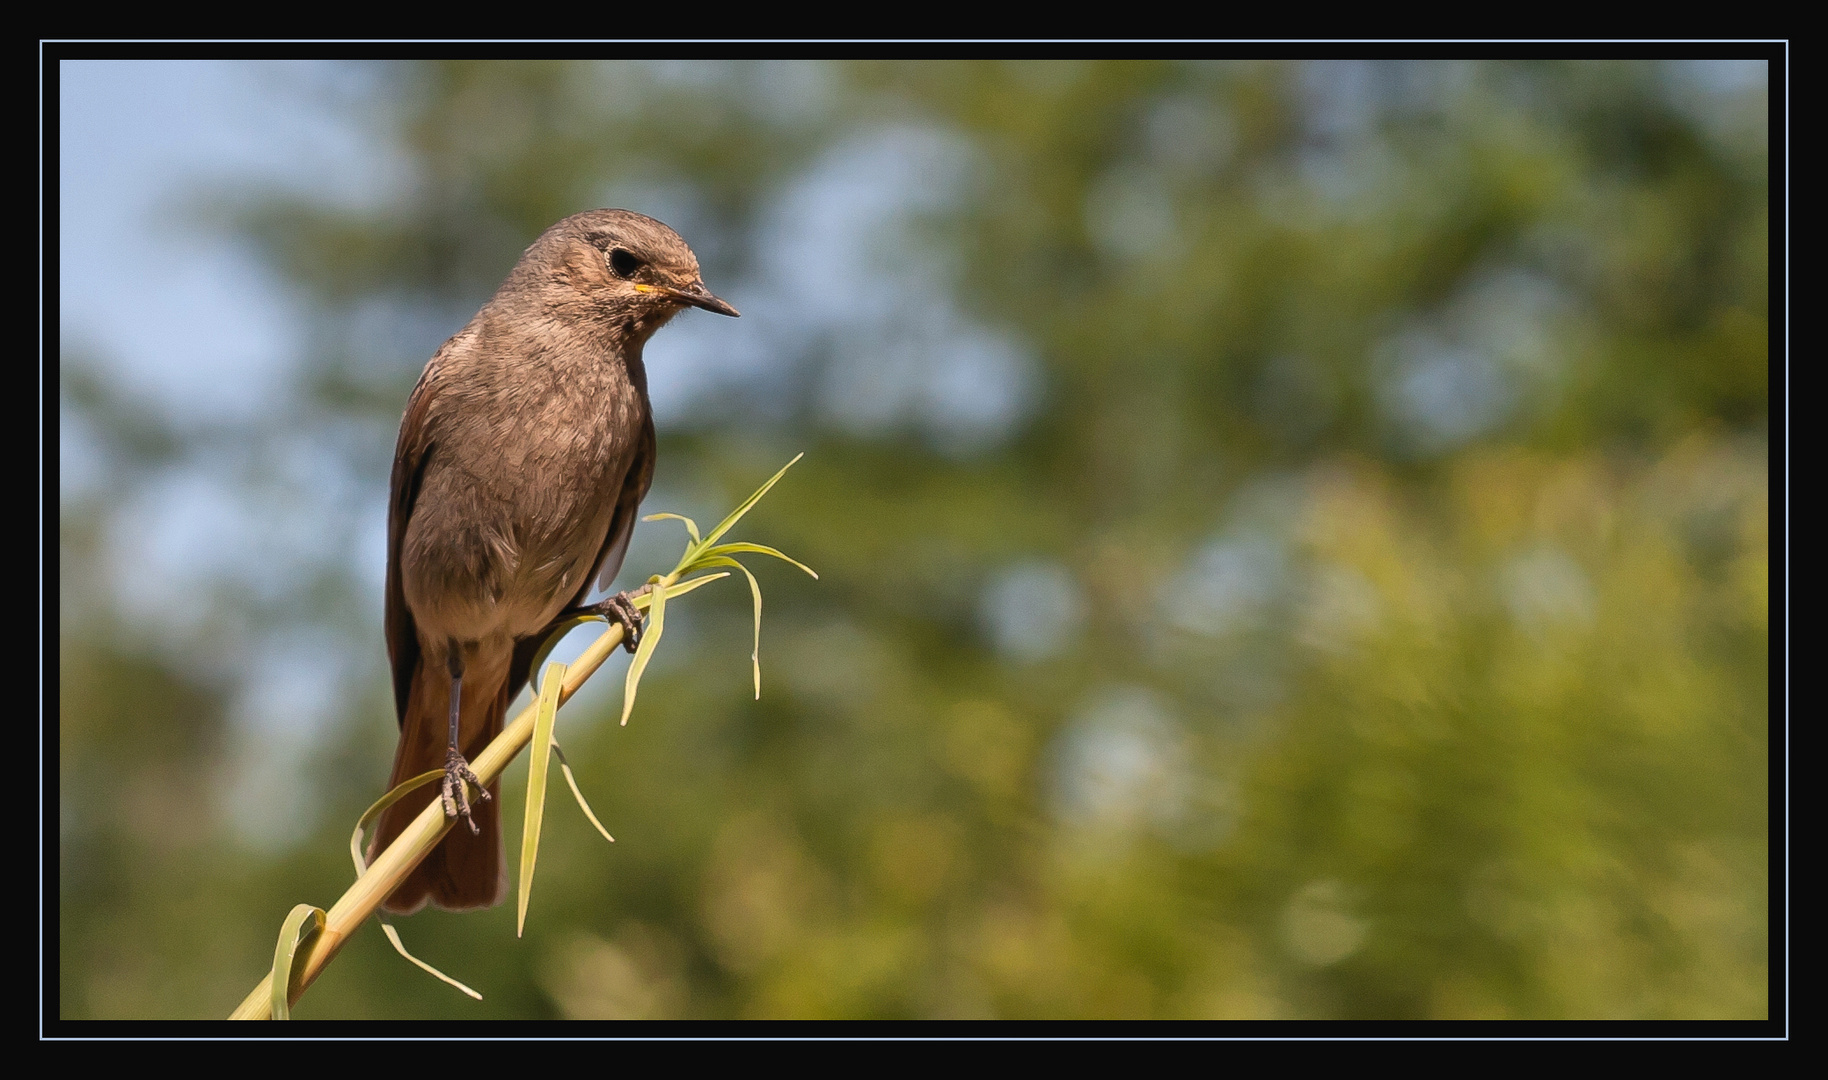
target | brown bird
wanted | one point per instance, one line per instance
(524, 454)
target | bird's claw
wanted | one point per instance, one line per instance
(620, 609)
(456, 796)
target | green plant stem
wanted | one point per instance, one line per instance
(391, 867)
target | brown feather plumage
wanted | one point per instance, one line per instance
(524, 453)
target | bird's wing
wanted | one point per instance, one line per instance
(635, 481)
(411, 455)
(628, 506)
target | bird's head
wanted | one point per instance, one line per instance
(631, 270)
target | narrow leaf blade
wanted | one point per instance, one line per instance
(400, 947)
(674, 592)
(565, 767)
(755, 590)
(656, 622)
(742, 547)
(537, 767)
(755, 652)
(749, 503)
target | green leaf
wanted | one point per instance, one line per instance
(674, 592)
(368, 816)
(744, 547)
(537, 767)
(656, 622)
(361, 867)
(565, 767)
(293, 933)
(563, 628)
(306, 922)
(749, 503)
(394, 936)
(691, 526)
(755, 590)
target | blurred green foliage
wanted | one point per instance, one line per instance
(1364, 616)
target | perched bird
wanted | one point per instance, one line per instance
(524, 454)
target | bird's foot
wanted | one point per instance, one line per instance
(456, 797)
(620, 609)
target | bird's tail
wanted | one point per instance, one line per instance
(465, 870)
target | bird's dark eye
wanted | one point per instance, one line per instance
(623, 263)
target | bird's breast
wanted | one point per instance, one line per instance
(517, 499)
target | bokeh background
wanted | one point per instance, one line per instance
(1293, 536)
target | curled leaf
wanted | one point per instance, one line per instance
(368, 816)
(303, 924)
(691, 526)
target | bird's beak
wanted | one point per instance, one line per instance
(695, 294)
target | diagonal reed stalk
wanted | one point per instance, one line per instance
(391, 867)
(309, 939)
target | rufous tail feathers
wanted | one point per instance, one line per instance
(466, 870)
